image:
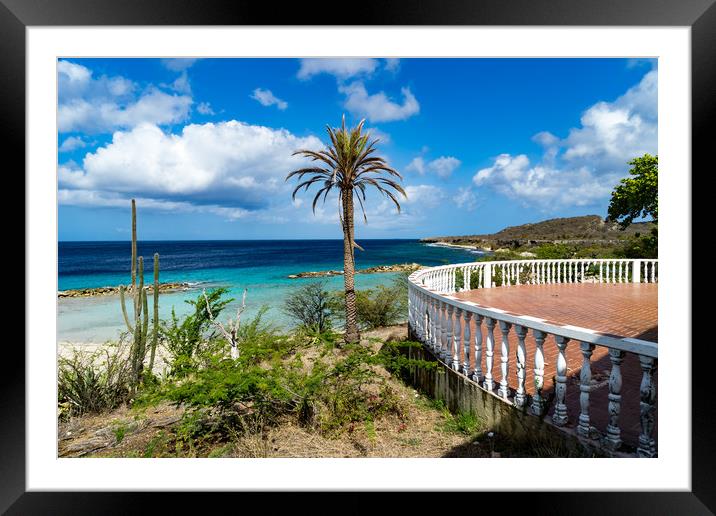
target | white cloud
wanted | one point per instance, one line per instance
(392, 64)
(181, 84)
(205, 108)
(71, 143)
(342, 68)
(583, 168)
(465, 198)
(443, 166)
(378, 107)
(178, 64)
(417, 165)
(104, 104)
(91, 198)
(230, 164)
(267, 98)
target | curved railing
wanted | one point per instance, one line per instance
(452, 329)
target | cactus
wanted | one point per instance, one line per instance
(139, 326)
(155, 332)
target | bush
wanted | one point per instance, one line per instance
(376, 307)
(91, 383)
(187, 338)
(310, 306)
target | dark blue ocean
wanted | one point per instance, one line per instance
(261, 266)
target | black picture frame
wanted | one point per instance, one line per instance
(699, 15)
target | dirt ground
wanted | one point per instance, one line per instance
(426, 429)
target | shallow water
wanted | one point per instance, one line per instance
(262, 267)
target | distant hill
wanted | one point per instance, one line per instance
(588, 229)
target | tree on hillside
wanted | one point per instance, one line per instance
(636, 196)
(348, 165)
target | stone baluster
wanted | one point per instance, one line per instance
(429, 322)
(559, 418)
(504, 389)
(600, 271)
(457, 339)
(538, 401)
(411, 311)
(466, 344)
(585, 387)
(477, 370)
(521, 393)
(613, 438)
(442, 317)
(647, 444)
(419, 318)
(434, 325)
(489, 382)
(447, 357)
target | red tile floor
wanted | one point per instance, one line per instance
(618, 310)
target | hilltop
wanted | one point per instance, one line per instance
(585, 230)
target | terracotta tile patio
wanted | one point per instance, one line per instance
(618, 310)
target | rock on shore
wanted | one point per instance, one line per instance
(104, 291)
(400, 267)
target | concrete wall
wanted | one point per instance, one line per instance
(462, 395)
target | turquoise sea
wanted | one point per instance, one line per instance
(260, 266)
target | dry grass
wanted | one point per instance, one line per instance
(421, 428)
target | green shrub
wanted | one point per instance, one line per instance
(310, 306)
(377, 307)
(93, 382)
(195, 333)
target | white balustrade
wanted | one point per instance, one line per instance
(457, 339)
(466, 343)
(538, 400)
(446, 327)
(585, 387)
(477, 370)
(521, 393)
(504, 358)
(488, 383)
(559, 417)
(613, 439)
(647, 444)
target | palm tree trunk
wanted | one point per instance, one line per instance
(351, 331)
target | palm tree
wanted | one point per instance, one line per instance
(348, 165)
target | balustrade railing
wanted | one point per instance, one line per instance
(461, 333)
(469, 276)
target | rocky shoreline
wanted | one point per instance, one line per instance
(400, 267)
(105, 291)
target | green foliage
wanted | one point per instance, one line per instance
(377, 307)
(465, 423)
(91, 383)
(270, 380)
(138, 327)
(475, 279)
(187, 338)
(637, 196)
(555, 251)
(310, 306)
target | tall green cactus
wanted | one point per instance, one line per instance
(155, 332)
(139, 327)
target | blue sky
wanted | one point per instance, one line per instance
(204, 145)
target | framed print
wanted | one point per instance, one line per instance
(284, 253)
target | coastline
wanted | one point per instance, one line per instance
(467, 247)
(108, 291)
